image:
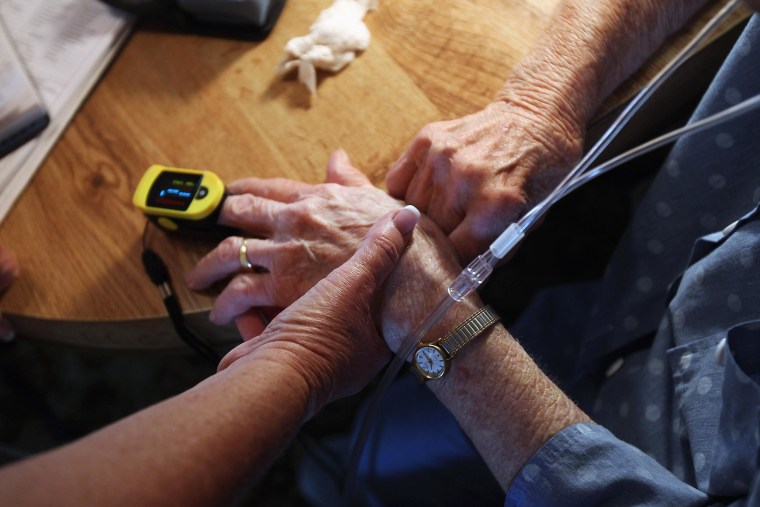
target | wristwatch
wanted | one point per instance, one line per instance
(431, 360)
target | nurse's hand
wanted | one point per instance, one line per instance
(329, 335)
(475, 175)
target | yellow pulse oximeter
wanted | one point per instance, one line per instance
(177, 198)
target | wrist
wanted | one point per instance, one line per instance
(503, 401)
(558, 122)
(309, 384)
(419, 282)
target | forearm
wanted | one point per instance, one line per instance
(589, 48)
(502, 400)
(499, 396)
(194, 449)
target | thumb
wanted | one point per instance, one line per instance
(380, 250)
(340, 170)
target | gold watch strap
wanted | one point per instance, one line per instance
(467, 330)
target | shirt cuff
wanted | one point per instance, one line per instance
(585, 464)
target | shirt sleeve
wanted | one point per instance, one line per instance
(586, 465)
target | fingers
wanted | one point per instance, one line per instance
(400, 175)
(276, 189)
(340, 170)
(250, 324)
(224, 260)
(250, 213)
(244, 292)
(474, 235)
(253, 322)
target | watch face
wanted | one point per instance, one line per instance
(430, 361)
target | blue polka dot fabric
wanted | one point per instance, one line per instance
(669, 357)
(677, 419)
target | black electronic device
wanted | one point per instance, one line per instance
(240, 19)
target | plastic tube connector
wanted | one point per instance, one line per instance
(472, 276)
(508, 239)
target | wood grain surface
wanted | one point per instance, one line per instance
(208, 103)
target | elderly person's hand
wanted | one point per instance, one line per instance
(308, 231)
(329, 335)
(475, 175)
(9, 271)
(302, 233)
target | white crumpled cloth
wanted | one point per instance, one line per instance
(332, 43)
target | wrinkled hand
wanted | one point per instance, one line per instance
(9, 271)
(309, 231)
(305, 231)
(329, 335)
(475, 175)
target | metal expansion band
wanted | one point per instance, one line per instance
(467, 330)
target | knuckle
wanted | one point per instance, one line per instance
(246, 288)
(241, 204)
(428, 132)
(229, 247)
(385, 249)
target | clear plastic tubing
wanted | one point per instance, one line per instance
(692, 128)
(481, 268)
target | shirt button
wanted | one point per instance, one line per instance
(720, 353)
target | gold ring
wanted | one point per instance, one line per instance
(244, 262)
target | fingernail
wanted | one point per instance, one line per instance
(340, 155)
(406, 218)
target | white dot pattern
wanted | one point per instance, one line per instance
(656, 366)
(699, 276)
(657, 397)
(699, 461)
(679, 319)
(724, 140)
(664, 209)
(734, 303)
(531, 473)
(747, 258)
(708, 221)
(704, 386)
(717, 181)
(656, 247)
(644, 284)
(673, 169)
(732, 96)
(653, 413)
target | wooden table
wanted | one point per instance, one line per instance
(191, 101)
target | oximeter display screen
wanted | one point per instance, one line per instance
(174, 191)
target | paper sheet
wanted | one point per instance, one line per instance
(65, 46)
